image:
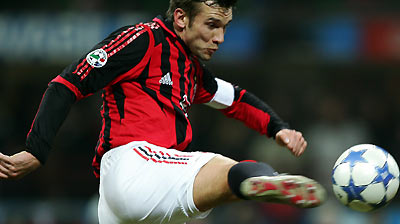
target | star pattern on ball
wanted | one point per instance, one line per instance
(355, 157)
(354, 192)
(384, 175)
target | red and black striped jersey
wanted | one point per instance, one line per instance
(149, 79)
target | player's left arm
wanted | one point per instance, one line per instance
(242, 105)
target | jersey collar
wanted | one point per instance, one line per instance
(168, 26)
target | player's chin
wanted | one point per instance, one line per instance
(205, 56)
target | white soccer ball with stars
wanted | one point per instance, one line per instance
(365, 177)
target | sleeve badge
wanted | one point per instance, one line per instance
(97, 58)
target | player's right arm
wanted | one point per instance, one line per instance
(126, 50)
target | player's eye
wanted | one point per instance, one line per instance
(212, 25)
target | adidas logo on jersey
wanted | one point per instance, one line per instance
(166, 79)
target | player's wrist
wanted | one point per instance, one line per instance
(24, 163)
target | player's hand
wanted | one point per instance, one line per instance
(291, 139)
(17, 165)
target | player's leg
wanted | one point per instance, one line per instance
(224, 180)
(211, 186)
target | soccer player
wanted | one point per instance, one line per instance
(150, 74)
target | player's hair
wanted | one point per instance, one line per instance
(191, 7)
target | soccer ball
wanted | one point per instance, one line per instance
(365, 177)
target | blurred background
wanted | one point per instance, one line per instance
(329, 68)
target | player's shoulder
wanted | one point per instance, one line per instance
(136, 29)
(136, 33)
(154, 26)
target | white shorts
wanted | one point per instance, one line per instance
(143, 183)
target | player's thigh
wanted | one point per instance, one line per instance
(211, 184)
(140, 181)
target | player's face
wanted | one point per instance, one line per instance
(207, 30)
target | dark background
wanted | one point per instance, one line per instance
(329, 68)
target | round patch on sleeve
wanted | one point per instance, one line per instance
(97, 58)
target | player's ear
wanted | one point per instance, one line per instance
(180, 18)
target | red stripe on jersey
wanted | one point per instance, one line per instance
(85, 66)
(80, 67)
(179, 45)
(69, 85)
(86, 73)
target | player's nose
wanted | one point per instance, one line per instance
(219, 36)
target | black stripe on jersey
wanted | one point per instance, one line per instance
(209, 84)
(166, 90)
(181, 69)
(142, 81)
(96, 156)
(181, 122)
(250, 99)
(107, 126)
(119, 97)
(237, 93)
(190, 82)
